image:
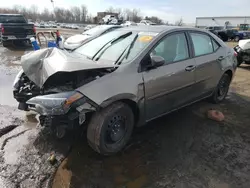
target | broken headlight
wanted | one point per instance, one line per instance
(54, 104)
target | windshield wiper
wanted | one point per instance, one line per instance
(105, 46)
(130, 46)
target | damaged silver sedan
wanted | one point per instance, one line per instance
(123, 79)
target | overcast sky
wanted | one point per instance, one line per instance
(168, 10)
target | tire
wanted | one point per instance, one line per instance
(109, 129)
(6, 44)
(239, 60)
(236, 39)
(220, 92)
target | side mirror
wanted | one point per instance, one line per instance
(157, 61)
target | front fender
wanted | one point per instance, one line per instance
(119, 97)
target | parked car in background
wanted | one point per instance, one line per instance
(37, 24)
(108, 18)
(234, 34)
(75, 26)
(14, 27)
(123, 79)
(146, 22)
(129, 23)
(88, 27)
(76, 40)
(42, 25)
(243, 51)
(54, 25)
(219, 31)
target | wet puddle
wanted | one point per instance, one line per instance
(7, 76)
(9, 67)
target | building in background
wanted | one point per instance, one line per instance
(228, 21)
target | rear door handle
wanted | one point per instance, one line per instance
(190, 68)
(220, 58)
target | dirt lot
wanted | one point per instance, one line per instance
(182, 150)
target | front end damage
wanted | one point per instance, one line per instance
(243, 51)
(50, 89)
(62, 111)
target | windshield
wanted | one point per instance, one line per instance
(95, 31)
(12, 19)
(108, 48)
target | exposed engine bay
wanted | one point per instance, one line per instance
(243, 51)
(59, 82)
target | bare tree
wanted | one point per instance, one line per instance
(76, 11)
(154, 19)
(179, 22)
(33, 12)
(135, 15)
(84, 13)
(110, 10)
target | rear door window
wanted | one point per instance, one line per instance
(202, 44)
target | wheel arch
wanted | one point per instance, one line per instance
(128, 99)
(230, 73)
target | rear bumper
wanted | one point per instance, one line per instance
(16, 37)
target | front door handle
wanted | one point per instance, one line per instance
(220, 58)
(190, 68)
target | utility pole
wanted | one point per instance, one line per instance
(52, 1)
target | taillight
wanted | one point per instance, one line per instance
(34, 29)
(2, 29)
(235, 54)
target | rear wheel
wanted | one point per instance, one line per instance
(6, 43)
(236, 39)
(110, 129)
(222, 89)
(239, 60)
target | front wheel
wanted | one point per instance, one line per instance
(222, 88)
(109, 129)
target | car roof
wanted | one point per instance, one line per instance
(108, 26)
(157, 28)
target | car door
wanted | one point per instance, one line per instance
(169, 85)
(207, 54)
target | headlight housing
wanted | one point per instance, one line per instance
(54, 104)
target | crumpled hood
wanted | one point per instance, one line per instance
(40, 65)
(77, 39)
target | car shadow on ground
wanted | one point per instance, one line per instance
(246, 67)
(182, 149)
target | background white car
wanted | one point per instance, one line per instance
(75, 41)
(128, 23)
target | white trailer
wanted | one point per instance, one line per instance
(230, 21)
